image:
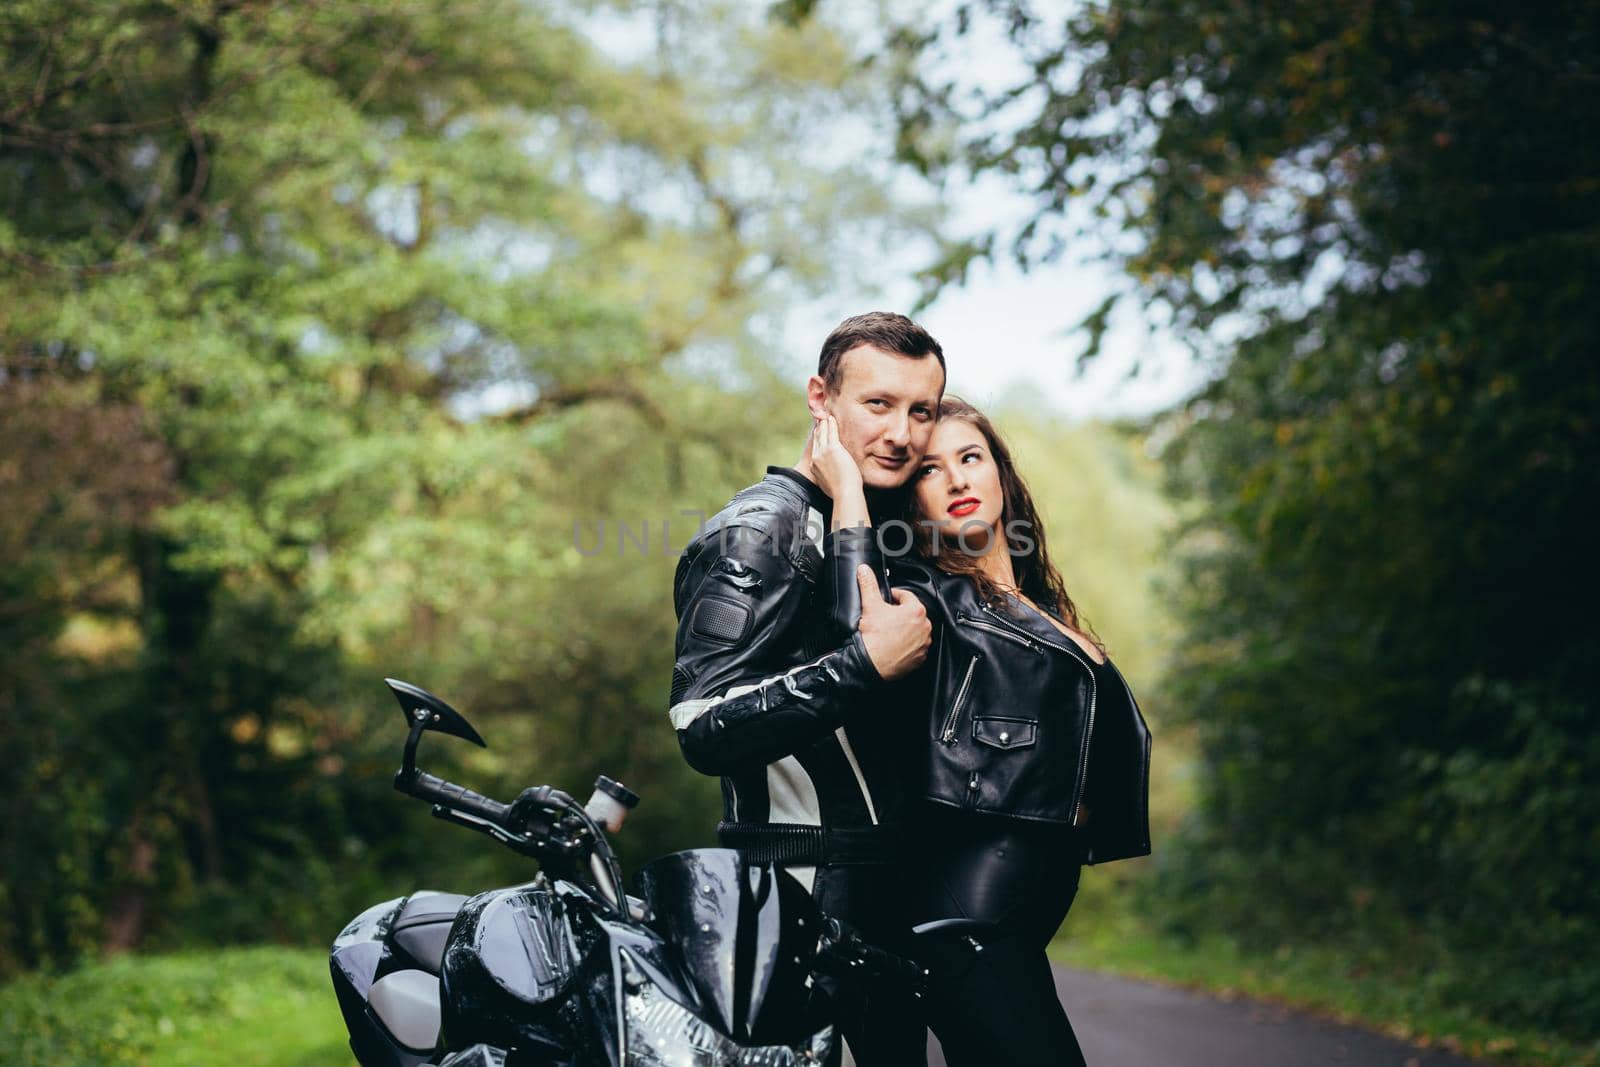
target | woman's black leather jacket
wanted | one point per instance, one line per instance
(1015, 720)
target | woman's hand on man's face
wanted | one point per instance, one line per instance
(836, 469)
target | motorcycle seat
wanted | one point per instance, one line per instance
(423, 925)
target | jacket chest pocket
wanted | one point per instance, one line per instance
(1005, 733)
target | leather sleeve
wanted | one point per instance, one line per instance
(850, 547)
(845, 550)
(737, 700)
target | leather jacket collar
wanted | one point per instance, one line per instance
(814, 494)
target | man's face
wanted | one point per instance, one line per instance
(885, 407)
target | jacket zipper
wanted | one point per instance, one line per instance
(1029, 643)
(948, 734)
(1088, 729)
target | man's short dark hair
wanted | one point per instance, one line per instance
(880, 329)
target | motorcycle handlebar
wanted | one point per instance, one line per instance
(543, 822)
(881, 963)
(843, 951)
(432, 788)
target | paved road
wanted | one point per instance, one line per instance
(1122, 1023)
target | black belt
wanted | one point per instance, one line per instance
(802, 845)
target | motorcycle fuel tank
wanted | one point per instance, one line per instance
(515, 970)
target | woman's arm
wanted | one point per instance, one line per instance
(846, 550)
(836, 473)
(850, 508)
(851, 542)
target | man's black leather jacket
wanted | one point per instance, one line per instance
(766, 694)
(1009, 711)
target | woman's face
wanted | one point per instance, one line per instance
(958, 485)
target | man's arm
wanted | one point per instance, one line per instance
(734, 702)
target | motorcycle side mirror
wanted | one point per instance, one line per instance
(424, 711)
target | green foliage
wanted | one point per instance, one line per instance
(321, 326)
(1378, 224)
(262, 1007)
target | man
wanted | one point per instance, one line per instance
(809, 777)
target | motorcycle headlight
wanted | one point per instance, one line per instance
(663, 1033)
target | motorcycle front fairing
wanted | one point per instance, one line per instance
(743, 937)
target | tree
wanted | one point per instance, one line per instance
(350, 310)
(1377, 222)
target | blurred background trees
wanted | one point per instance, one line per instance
(341, 340)
(1380, 225)
(334, 337)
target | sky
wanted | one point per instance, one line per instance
(1009, 335)
(1006, 334)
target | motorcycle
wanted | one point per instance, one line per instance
(714, 963)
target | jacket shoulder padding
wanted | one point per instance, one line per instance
(757, 528)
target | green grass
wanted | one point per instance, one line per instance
(1322, 980)
(255, 1007)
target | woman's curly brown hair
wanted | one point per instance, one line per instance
(1037, 577)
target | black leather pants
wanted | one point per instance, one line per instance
(998, 1005)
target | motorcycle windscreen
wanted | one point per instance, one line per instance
(744, 935)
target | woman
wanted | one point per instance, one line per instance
(1035, 759)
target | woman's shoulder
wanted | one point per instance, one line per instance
(922, 576)
(915, 568)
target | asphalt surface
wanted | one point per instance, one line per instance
(1123, 1023)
